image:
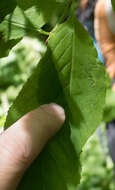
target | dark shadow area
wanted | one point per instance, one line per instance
(6, 7)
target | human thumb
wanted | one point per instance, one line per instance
(23, 141)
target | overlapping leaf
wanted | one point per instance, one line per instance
(70, 75)
(17, 25)
(28, 17)
(49, 10)
(21, 23)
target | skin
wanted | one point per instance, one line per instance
(23, 141)
(104, 37)
(83, 3)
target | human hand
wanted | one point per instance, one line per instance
(23, 141)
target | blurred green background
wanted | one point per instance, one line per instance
(97, 171)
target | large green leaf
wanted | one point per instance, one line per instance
(70, 75)
(57, 166)
(82, 78)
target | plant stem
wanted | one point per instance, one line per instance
(43, 32)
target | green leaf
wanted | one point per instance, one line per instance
(17, 25)
(20, 24)
(82, 78)
(57, 165)
(70, 75)
(28, 18)
(49, 10)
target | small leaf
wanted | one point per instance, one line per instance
(20, 24)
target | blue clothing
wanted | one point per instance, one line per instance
(99, 52)
(90, 25)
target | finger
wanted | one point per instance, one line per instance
(22, 143)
